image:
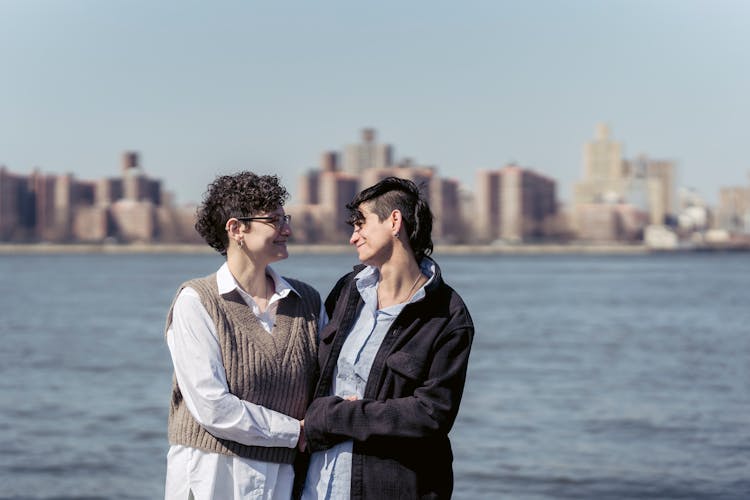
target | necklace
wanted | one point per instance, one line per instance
(419, 276)
(409, 293)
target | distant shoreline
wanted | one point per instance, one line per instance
(515, 249)
(522, 249)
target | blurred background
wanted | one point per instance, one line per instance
(539, 121)
(584, 159)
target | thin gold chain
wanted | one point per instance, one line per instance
(409, 293)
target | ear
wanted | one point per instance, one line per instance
(234, 228)
(396, 221)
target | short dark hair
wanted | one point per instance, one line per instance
(243, 194)
(393, 193)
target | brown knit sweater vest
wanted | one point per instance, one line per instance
(277, 371)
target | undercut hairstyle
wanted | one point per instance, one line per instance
(243, 194)
(393, 193)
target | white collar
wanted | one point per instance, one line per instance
(226, 283)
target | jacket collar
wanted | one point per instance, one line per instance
(435, 281)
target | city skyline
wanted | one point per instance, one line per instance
(203, 89)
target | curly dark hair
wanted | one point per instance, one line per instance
(394, 193)
(243, 194)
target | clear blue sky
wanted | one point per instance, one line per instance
(201, 88)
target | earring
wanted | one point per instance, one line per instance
(239, 243)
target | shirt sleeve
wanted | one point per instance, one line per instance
(322, 319)
(196, 355)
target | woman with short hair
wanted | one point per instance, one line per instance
(393, 360)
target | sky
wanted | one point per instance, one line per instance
(206, 88)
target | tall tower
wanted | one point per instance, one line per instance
(514, 203)
(367, 154)
(602, 157)
(487, 221)
(131, 175)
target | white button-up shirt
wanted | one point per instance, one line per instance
(196, 355)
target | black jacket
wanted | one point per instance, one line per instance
(400, 427)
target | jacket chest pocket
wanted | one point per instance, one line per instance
(408, 371)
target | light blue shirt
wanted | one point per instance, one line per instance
(329, 474)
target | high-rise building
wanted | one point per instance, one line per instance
(336, 190)
(367, 154)
(53, 200)
(649, 185)
(662, 195)
(441, 194)
(603, 173)
(17, 216)
(324, 192)
(136, 185)
(734, 209)
(445, 201)
(514, 204)
(60, 208)
(602, 157)
(642, 184)
(421, 176)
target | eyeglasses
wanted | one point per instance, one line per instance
(278, 221)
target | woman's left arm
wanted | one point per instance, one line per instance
(430, 410)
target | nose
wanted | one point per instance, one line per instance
(354, 237)
(286, 228)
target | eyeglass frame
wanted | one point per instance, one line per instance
(281, 219)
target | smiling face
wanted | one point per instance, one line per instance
(266, 240)
(372, 237)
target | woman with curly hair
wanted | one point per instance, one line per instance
(243, 345)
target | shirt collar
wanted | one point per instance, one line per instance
(226, 283)
(367, 278)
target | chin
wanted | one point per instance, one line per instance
(281, 252)
(366, 259)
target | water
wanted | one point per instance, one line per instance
(603, 377)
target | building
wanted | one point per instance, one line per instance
(514, 204)
(641, 184)
(325, 191)
(650, 185)
(321, 216)
(336, 190)
(17, 215)
(442, 195)
(693, 213)
(62, 209)
(367, 154)
(734, 209)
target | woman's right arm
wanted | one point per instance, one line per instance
(196, 356)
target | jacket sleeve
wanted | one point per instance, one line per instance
(430, 410)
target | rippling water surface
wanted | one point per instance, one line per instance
(591, 376)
